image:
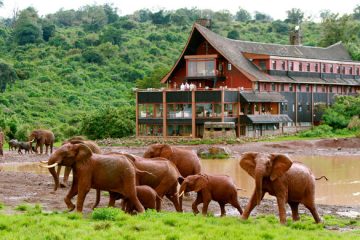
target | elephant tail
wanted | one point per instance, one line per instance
(322, 177)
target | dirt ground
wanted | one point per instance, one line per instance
(23, 187)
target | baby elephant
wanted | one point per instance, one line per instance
(219, 188)
(26, 146)
(147, 197)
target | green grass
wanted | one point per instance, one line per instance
(111, 223)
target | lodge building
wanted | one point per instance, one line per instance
(251, 88)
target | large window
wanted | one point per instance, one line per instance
(150, 130)
(230, 109)
(208, 110)
(150, 110)
(179, 110)
(179, 130)
(197, 68)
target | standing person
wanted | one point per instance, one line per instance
(2, 141)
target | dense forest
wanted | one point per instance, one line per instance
(74, 71)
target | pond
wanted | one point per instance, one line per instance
(343, 187)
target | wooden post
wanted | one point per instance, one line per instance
(222, 104)
(312, 105)
(164, 114)
(296, 106)
(137, 115)
(193, 114)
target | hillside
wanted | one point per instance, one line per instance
(68, 68)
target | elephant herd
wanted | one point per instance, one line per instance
(142, 182)
(40, 137)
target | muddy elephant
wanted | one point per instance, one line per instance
(113, 173)
(78, 139)
(186, 161)
(26, 146)
(290, 182)
(220, 188)
(13, 144)
(42, 137)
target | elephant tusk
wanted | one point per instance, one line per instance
(32, 140)
(49, 166)
(43, 161)
(182, 193)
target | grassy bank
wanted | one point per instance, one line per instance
(109, 223)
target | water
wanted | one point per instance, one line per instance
(343, 187)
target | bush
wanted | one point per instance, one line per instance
(319, 131)
(109, 214)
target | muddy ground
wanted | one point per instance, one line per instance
(23, 187)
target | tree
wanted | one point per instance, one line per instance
(356, 14)
(27, 29)
(262, 17)
(93, 17)
(142, 15)
(160, 17)
(294, 16)
(233, 34)
(279, 26)
(242, 15)
(111, 13)
(48, 30)
(152, 80)
(7, 75)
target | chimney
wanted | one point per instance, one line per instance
(205, 22)
(295, 36)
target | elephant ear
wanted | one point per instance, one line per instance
(248, 163)
(200, 183)
(83, 152)
(280, 164)
(166, 151)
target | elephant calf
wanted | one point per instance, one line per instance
(147, 197)
(26, 146)
(13, 144)
(219, 188)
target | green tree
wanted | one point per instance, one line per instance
(93, 17)
(242, 15)
(27, 29)
(7, 75)
(356, 13)
(153, 79)
(233, 34)
(160, 17)
(262, 17)
(294, 16)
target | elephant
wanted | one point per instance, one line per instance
(290, 182)
(219, 188)
(186, 161)
(78, 139)
(2, 141)
(161, 175)
(42, 137)
(26, 146)
(113, 173)
(13, 144)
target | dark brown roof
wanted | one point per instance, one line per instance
(255, 96)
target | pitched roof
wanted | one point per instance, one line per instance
(233, 51)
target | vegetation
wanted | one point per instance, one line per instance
(105, 223)
(60, 70)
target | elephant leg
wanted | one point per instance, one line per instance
(311, 206)
(112, 199)
(295, 210)
(83, 191)
(222, 209)
(175, 200)
(72, 192)
(51, 148)
(195, 204)
(235, 204)
(97, 200)
(180, 203)
(205, 206)
(251, 205)
(66, 175)
(282, 210)
(46, 149)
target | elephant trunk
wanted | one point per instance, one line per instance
(56, 178)
(258, 186)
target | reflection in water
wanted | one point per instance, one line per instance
(343, 187)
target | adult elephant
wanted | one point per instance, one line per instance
(78, 139)
(186, 161)
(114, 173)
(290, 182)
(160, 174)
(42, 137)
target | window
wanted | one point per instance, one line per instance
(300, 67)
(290, 87)
(308, 67)
(272, 86)
(198, 68)
(283, 65)
(264, 85)
(330, 89)
(350, 89)
(316, 67)
(307, 88)
(208, 110)
(150, 130)
(262, 65)
(179, 110)
(293, 107)
(282, 87)
(331, 68)
(337, 69)
(179, 130)
(324, 68)
(291, 66)
(343, 70)
(315, 88)
(256, 107)
(273, 65)
(350, 71)
(299, 107)
(358, 71)
(284, 107)
(229, 66)
(257, 86)
(230, 109)
(150, 110)
(307, 107)
(323, 88)
(299, 87)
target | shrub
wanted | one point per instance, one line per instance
(319, 131)
(109, 214)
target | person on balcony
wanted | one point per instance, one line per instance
(182, 87)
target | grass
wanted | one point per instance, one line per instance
(109, 223)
